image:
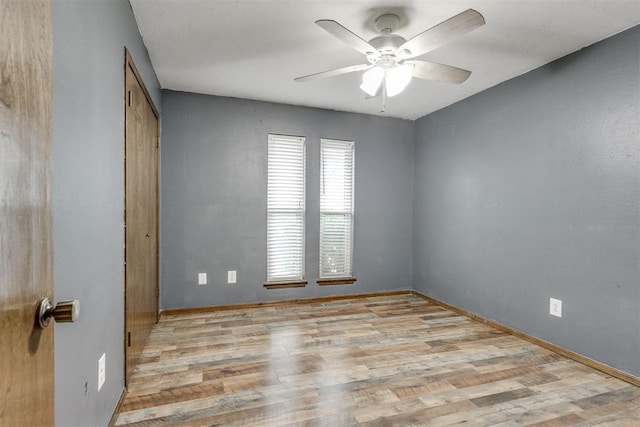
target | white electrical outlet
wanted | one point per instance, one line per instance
(202, 278)
(555, 307)
(102, 370)
(231, 276)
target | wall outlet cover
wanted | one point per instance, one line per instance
(202, 278)
(231, 276)
(555, 307)
(102, 370)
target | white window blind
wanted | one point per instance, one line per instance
(336, 208)
(285, 208)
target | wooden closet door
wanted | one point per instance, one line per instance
(141, 216)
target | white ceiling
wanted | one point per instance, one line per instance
(255, 48)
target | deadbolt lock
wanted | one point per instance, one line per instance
(63, 312)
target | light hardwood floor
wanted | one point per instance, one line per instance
(380, 361)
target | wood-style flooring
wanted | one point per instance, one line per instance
(379, 361)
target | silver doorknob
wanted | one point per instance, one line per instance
(63, 312)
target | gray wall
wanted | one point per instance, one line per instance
(214, 153)
(531, 190)
(89, 38)
(523, 192)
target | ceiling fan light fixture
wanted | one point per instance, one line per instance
(371, 80)
(390, 56)
(397, 79)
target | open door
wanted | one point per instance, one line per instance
(26, 258)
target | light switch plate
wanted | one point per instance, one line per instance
(231, 276)
(555, 307)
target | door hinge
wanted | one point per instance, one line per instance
(129, 101)
(128, 339)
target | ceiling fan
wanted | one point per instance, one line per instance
(390, 60)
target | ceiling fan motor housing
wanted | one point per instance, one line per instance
(387, 43)
(387, 46)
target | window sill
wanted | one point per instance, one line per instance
(285, 284)
(336, 281)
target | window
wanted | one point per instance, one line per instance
(285, 209)
(336, 210)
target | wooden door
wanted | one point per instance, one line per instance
(26, 274)
(141, 216)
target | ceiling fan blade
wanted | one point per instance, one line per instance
(442, 33)
(346, 36)
(335, 72)
(440, 72)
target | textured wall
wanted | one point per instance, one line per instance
(531, 190)
(89, 38)
(526, 191)
(214, 163)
